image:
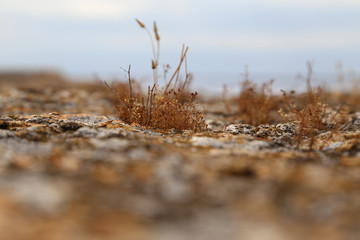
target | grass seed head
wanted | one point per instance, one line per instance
(140, 23)
(153, 64)
(157, 36)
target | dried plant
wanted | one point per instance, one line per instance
(257, 105)
(308, 116)
(169, 107)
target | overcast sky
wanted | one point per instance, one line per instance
(82, 37)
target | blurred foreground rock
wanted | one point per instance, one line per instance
(69, 169)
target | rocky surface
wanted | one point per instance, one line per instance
(69, 169)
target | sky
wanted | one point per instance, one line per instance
(274, 38)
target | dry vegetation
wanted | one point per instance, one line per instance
(309, 111)
(310, 116)
(257, 106)
(171, 106)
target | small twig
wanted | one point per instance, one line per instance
(308, 82)
(111, 88)
(337, 112)
(151, 103)
(130, 85)
(187, 81)
(178, 72)
(147, 106)
(177, 69)
(187, 75)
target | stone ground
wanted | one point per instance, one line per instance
(69, 169)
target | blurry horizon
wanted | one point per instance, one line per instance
(274, 38)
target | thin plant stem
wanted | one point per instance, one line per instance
(177, 69)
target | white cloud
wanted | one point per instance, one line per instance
(74, 8)
(111, 9)
(89, 9)
(98, 9)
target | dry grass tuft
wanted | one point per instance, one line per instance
(257, 105)
(163, 111)
(309, 116)
(171, 106)
(308, 111)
